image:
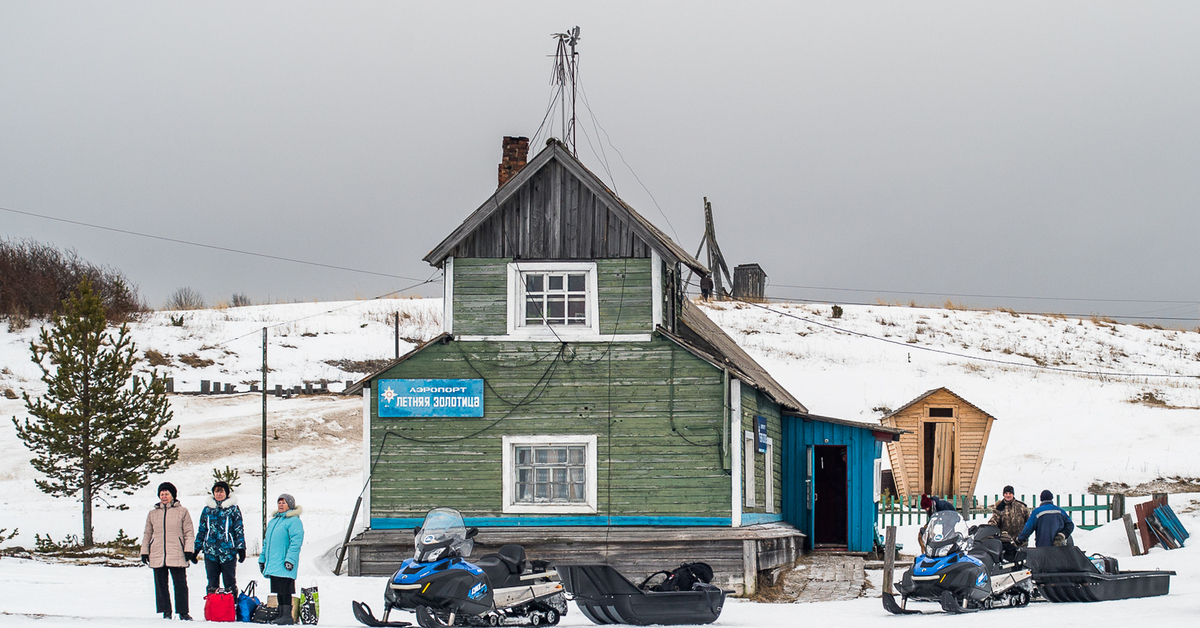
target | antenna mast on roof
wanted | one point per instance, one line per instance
(566, 65)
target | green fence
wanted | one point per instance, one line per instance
(902, 511)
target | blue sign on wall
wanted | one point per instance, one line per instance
(762, 434)
(430, 397)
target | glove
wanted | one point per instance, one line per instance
(145, 559)
(287, 564)
(190, 557)
(1060, 539)
(262, 568)
(242, 555)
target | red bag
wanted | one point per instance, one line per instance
(219, 606)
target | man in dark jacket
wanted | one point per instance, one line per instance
(1010, 515)
(1052, 524)
(932, 505)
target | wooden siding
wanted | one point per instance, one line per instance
(861, 452)
(907, 456)
(481, 296)
(554, 216)
(756, 404)
(660, 449)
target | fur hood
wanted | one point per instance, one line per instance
(295, 512)
(229, 502)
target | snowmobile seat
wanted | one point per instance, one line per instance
(605, 596)
(504, 567)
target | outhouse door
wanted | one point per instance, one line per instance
(939, 449)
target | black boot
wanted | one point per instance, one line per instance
(285, 616)
(166, 614)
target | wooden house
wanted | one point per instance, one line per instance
(942, 451)
(577, 402)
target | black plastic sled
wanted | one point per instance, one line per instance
(1064, 574)
(604, 596)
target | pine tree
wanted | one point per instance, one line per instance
(94, 430)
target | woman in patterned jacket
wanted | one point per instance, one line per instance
(221, 537)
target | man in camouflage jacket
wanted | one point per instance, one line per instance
(1010, 515)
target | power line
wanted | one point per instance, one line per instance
(982, 296)
(1057, 369)
(207, 246)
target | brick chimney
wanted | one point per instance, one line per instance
(515, 151)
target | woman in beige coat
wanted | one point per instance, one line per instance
(167, 547)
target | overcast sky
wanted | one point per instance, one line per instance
(895, 151)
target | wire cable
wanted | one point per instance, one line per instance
(1056, 369)
(206, 246)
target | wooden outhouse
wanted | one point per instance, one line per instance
(943, 450)
(577, 402)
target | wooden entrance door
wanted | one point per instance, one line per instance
(939, 458)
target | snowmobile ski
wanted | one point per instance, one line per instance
(889, 604)
(363, 614)
(950, 604)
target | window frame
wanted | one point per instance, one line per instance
(516, 301)
(510, 505)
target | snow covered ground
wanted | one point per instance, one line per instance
(1116, 403)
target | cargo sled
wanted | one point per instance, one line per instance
(1065, 574)
(606, 597)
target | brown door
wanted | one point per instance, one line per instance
(943, 459)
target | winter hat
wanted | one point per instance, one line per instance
(926, 503)
(1009, 489)
(170, 488)
(1047, 496)
(291, 501)
(224, 486)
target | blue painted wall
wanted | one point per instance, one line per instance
(862, 450)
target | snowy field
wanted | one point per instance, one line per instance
(1114, 404)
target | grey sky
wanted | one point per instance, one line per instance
(1031, 149)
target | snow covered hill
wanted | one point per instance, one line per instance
(1077, 402)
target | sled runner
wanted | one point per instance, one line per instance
(606, 597)
(1065, 574)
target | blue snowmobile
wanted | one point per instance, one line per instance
(443, 589)
(964, 570)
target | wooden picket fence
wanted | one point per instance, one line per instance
(900, 511)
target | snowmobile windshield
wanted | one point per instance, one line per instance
(442, 535)
(945, 534)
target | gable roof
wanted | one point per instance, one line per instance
(700, 331)
(555, 151)
(926, 394)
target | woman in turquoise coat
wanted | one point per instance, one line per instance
(280, 557)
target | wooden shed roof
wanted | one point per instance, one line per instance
(556, 151)
(926, 394)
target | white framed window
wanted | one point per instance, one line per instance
(549, 474)
(750, 446)
(552, 300)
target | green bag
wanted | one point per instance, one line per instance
(309, 604)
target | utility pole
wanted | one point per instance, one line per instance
(264, 437)
(716, 261)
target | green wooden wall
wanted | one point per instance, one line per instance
(655, 408)
(481, 294)
(756, 404)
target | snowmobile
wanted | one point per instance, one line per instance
(964, 570)
(443, 589)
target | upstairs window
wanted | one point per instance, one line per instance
(552, 300)
(555, 298)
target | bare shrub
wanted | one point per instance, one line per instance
(185, 299)
(36, 278)
(195, 361)
(156, 358)
(239, 300)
